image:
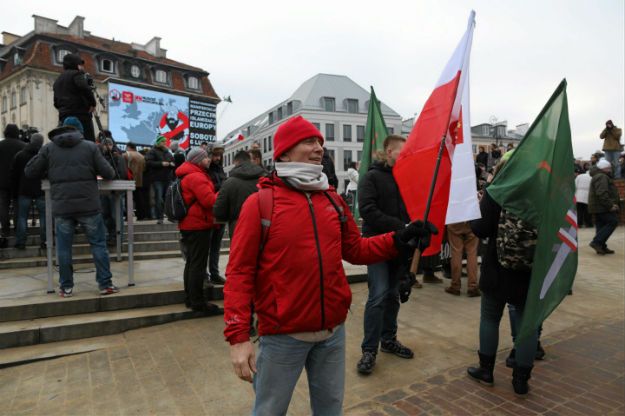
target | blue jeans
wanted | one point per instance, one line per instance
(23, 205)
(605, 224)
(490, 317)
(612, 157)
(96, 235)
(515, 323)
(382, 305)
(159, 197)
(280, 362)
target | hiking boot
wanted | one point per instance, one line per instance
(540, 352)
(109, 290)
(431, 278)
(452, 291)
(366, 363)
(520, 376)
(511, 360)
(599, 249)
(474, 293)
(484, 373)
(66, 292)
(395, 347)
(218, 280)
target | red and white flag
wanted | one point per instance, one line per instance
(445, 113)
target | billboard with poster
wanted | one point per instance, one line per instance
(139, 115)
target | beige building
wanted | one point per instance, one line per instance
(30, 64)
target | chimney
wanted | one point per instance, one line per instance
(153, 47)
(76, 28)
(45, 25)
(9, 38)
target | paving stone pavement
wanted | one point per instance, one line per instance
(183, 368)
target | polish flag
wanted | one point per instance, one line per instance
(445, 114)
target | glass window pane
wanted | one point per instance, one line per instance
(347, 132)
(330, 132)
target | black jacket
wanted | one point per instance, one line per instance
(72, 93)
(25, 186)
(503, 284)
(381, 206)
(179, 158)
(154, 165)
(117, 162)
(72, 165)
(328, 169)
(482, 158)
(8, 149)
(217, 174)
(235, 190)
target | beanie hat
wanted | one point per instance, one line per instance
(72, 60)
(507, 155)
(36, 139)
(11, 131)
(291, 132)
(603, 164)
(74, 122)
(196, 155)
(160, 139)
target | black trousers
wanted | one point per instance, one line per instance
(142, 202)
(583, 216)
(196, 245)
(87, 124)
(215, 248)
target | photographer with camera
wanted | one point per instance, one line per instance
(73, 94)
(611, 137)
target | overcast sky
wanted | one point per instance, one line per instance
(259, 52)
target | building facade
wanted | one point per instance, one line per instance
(335, 104)
(30, 64)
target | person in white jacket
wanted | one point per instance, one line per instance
(352, 186)
(582, 187)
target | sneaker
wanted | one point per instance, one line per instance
(66, 292)
(431, 278)
(597, 248)
(366, 363)
(474, 293)
(218, 280)
(395, 347)
(452, 291)
(109, 290)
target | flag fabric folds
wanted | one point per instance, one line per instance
(537, 184)
(443, 116)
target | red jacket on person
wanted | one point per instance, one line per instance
(298, 283)
(199, 194)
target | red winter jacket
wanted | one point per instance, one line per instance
(298, 284)
(199, 194)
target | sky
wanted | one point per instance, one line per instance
(259, 52)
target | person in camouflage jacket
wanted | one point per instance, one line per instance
(603, 202)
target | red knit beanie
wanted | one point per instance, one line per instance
(291, 132)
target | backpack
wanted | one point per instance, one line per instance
(265, 205)
(516, 242)
(175, 207)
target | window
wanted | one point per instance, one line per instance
(106, 65)
(347, 132)
(329, 104)
(13, 99)
(330, 132)
(360, 133)
(193, 83)
(60, 54)
(23, 95)
(289, 108)
(280, 113)
(317, 126)
(270, 143)
(270, 118)
(5, 104)
(331, 154)
(17, 59)
(160, 76)
(347, 159)
(352, 105)
(265, 145)
(135, 71)
(359, 156)
(390, 130)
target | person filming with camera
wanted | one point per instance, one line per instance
(73, 94)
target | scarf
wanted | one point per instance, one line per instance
(303, 176)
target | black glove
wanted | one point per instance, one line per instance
(417, 234)
(406, 281)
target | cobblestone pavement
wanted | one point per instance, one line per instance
(183, 368)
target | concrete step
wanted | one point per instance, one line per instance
(141, 226)
(33, 239)
(63, 328)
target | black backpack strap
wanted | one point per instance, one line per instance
(339, 209)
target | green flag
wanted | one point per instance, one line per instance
(537, 184)
(375, 133)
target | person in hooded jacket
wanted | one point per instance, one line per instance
(28, 191)
(160, 165)
(109, 209)
(236, 189)
(72, 165)
(195, 228)
(604, 203)
(8, 149)
(73, 95)
(218, 176)
(296, 281)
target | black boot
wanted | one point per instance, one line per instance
(511, 360)
(483, 373)
(520, 375)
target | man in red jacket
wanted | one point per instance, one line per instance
(296, 281)
(195, 228)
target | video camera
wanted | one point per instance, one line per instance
(26, 133)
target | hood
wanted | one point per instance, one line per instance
(65, 136)
(247, 170)
(595, 171)
(187, 168)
